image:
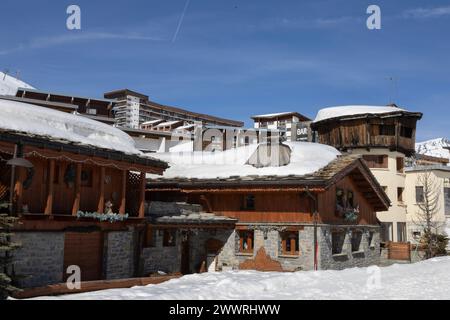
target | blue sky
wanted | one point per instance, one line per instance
(237, 58)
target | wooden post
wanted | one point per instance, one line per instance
(51, 177)
(76, 202)
(123, 195)
(18, 188)
(101, 198)
(142, 196)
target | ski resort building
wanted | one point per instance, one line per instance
(295, 206)
(384, 136)
(134, 109)
(293, 125)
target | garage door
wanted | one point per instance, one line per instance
(84, 250)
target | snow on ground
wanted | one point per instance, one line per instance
(9, 85)
(306, 158)
(434, 148)
(24, 117)
(335, 112)
(424, 280)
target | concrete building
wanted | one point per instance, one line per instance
(293, 125)
(133, 109)
(414, 194)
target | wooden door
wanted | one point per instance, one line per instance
(185, 256)
(86, 251)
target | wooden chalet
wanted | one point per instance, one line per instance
(79, 203)
(367, 127)
(322, 220)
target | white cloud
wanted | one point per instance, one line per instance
(76, 37)
(427, 12)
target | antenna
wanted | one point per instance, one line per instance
(392, 89)
(5, 73)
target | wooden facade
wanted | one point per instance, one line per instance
(64, 183)
(396, 131)
(291, 202)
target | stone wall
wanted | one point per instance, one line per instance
(367, 255)
(230, 257)
(118, 254)
(160, 258)
(40, 259)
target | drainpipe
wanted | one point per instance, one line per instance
(315, 220)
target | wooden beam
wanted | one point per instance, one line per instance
(142, 195)
(18, 188)
(123, 195)
(50, 187)
(76, 201)
(101, 187)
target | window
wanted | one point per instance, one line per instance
(387, 130)
(401, 231)
(169, 238)
(337, 241)
(340, 198)
(246, 241)
(246, 141)
(350, 199)
(386, 231)
(400, 194)
(356, 240)
(376, 161)
(370, 240)
(419, 195)
(91, 111)
(149, 240)
(289, 243)
(406, 132)
(400, 164)
(249, 202)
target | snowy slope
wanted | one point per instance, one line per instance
(24, 117)
(424, 280)
(434, 148)
(9, 85)
(306, 158)
(336, 112)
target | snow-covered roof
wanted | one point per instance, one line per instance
(305, 158)
(9, 85)
(280, 114)
(341, 111)
(45, 122)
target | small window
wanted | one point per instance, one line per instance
(387, 130)
(401, 231)
(419, 195)
(376, 161)
(356, 240)
(406, 132)
(247, 141)
(400, 164)
(289, 243)
(337, 241)
(149, 240)
(249, 202)
(400, 194)
(169, 238)
(246, 240)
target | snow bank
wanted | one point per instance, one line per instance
(424, 280)
(23, 117)
(306, 158)
(336, 112)
(436, 148)
(9, 85)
